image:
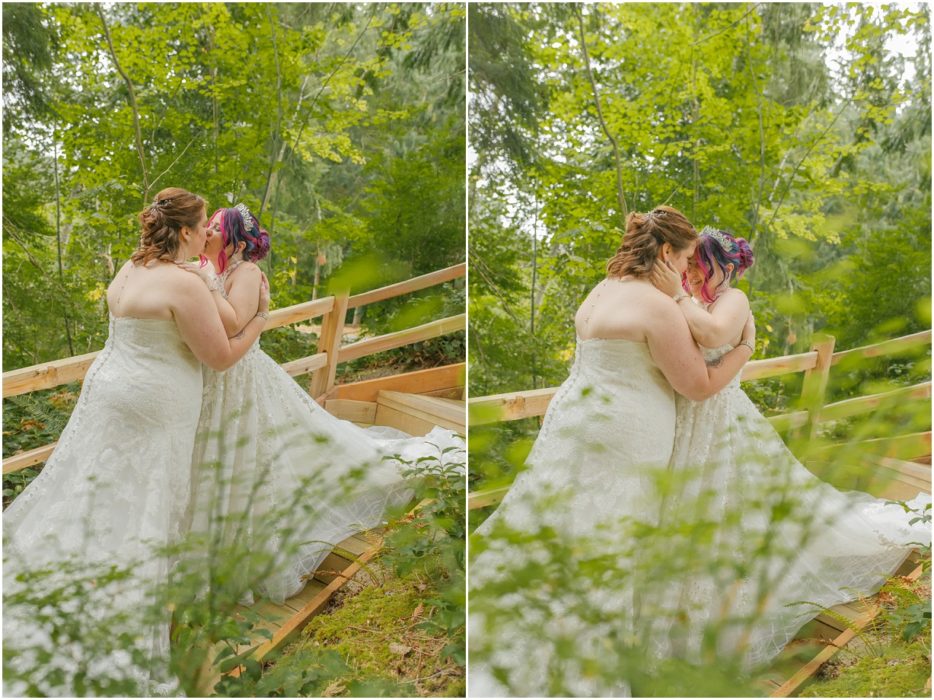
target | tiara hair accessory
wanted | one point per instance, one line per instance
(718, 237)
(247, 216)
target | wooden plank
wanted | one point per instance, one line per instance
(811, 667)
(357, 545)
(22, 460)
(906, 447)
(511, 406)
(295, 623)
(299, 312)
(418, 382)
(331, 568)
(487, 497)
(775, 366)
(404, 421)
(332, 330)
(864, 404)
(787, 421)
(898, 479)
(411, 285)
(886, 347)
(300, 600)
(398, 339)
(447, 414)
(455, 394)
(47, 375)
(305, 365)
(360, 412)
(814, 387)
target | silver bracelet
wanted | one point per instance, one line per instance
(752, 348)
(263, 315)
(679, 296)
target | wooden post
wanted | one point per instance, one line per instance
(332, 331)
(814, 388)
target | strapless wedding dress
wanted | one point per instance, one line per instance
(783, 536)
(113, 492)
(278, 481)
(591, 475)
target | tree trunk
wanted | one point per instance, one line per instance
(131, 98)
(620, 194)
(58, 242)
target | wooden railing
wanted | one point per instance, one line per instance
(815, 364)
(322, 365)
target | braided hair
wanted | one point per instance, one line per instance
(162, 221)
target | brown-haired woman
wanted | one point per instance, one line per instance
(116, 487)
(608, 429)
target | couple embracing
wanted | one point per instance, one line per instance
(660, 516)
(185, 430)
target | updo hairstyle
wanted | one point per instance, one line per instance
(644, 237)
(162, 221)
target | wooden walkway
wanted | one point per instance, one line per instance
(414, 402)
(287, 620)
(414, 413)
(896, 467)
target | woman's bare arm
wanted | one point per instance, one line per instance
(242, 297)
(680, 360)
(722, 323)
(713, 327)
(240, 304)
(201, 328)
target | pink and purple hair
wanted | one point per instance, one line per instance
(234, 230)
(720, 248)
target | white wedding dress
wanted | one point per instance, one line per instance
(791, 536)
(591, 475)
(277, 481)
(113, 491)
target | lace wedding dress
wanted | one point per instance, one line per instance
(541, 563)
(785, 544)
(278, 481)
(111, 494)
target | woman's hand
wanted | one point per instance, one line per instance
(204, 270)
(666, 279)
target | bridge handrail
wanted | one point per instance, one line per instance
(322, 365)
(816, 364)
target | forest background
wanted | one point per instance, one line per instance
(340, 125)
(804, 128)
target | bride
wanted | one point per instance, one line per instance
(275, 476)
(607, 435)
(116, 486)
(794, 537)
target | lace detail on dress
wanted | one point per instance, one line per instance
(607, 434)
(113, 490)
(277, 474)
(822, 545)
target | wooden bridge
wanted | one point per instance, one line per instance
(896, 467)
(414, 402)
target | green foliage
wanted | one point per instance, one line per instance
(893, 657)
(341, 127)
(402, 636)
(734, 114)
(212, 633)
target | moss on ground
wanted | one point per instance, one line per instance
(901, 671)
(378, 628)
(882, 663)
